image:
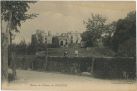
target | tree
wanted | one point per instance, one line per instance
(125, 34)
(22, 46)
(12, 12)
(86, 37)
(127, 48)
(95, 27)
(107, 40)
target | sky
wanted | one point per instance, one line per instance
(65, 16)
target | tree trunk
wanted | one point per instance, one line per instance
(92, 65)
(13, 65)
(11, 54)
(4, 61)
(46, 57)
(5, 51)
(11, 58)
(5, 44)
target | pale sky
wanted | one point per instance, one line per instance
(68, 16)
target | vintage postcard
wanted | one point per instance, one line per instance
(68, 45)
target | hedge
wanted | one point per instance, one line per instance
(109, 67)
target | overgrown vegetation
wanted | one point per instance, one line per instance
(120, 36)
(124, 37)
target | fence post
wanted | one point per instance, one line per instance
(32, 65)
(92, 65)
(13, 65)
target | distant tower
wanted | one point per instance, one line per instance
(49, 33)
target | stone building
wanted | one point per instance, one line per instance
(42, 37)
(63, 40)
(49, 37)
(67, 39)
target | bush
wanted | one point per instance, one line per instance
(128, 48)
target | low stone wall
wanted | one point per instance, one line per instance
(109, 67)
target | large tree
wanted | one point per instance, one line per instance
(95, 27)
(124, 37)
(14, 13)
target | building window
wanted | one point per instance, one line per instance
(61, 43)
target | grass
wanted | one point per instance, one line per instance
(82, 52)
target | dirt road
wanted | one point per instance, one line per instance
(50, 81)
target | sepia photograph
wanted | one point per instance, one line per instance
(68, 45)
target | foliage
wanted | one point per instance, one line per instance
(127, 48)
(95, 28)
(22, 47)
(107, 40)
(86, 36)
(17, 11)
(125, 31)
(38, 43)
(103, 66)
(119, 35)
(13, 12)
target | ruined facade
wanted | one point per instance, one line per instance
(42, 37)
(66, 39)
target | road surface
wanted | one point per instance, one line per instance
(51, 81)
